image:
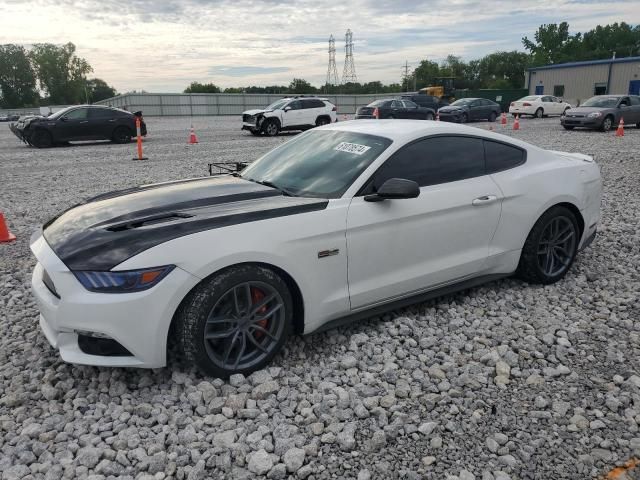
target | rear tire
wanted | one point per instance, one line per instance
(539, 113)
(320, 121)
(41, 139)
(236, 321)
(121, 135)
(550, 248)
(271, 128)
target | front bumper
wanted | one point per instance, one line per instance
(450, 117)
(586, 122)
(252, 127)
(521, 110)
(139, 321)
(18, 132)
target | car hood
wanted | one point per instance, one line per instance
(587, 110)
(256, 111)
(106, 230)
(451, 108)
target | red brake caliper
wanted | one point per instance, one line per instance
(257, 296)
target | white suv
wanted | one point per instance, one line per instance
(297, 113)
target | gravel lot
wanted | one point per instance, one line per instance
(506, 381)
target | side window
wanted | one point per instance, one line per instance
(78, 114)
(396, 104)
(409, 104)
(435, 160)
(502, 157)
(624, 101)
(312, 103)
(101, 113)
(476, 103)
(295, 105)
(635, 101)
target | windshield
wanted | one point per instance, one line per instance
(59, 113)
(277, 105)
(461, 102)
(602, 102)
(319, 163)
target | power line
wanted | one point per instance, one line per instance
(332, 70)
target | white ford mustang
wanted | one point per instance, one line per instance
(337, 223)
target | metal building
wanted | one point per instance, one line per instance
(577, 81)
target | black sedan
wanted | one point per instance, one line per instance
(469, 110)
(603, 112)
(84, 122)
(395, 108)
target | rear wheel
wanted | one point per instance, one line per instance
(271, 128)
(322, 121)
(121, 135)
(492, 117)
(607, 123)
(550, 248)
(539, 113)
(235, 322)
(41, 139)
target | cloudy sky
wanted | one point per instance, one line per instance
(163, 45)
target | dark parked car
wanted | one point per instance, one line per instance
(84, 122)
(469, 110)
(427, 101)
(395, 108)
(603, 112)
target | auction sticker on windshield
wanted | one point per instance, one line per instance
(352, 148)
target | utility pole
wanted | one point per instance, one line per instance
(405, 76)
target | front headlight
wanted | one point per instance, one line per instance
(122, 282)
(594, 115)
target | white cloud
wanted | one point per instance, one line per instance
(164, 45)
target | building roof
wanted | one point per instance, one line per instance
(586, 63)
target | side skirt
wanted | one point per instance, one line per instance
(403, 302)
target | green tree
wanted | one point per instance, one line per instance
(61, 73)
(551, 43)
(503, 69)
(17, 78)
(299, 85)
(97, 89)
(426, 73)
(196, 87)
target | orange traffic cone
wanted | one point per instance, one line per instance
(620, 129)
(192, 136)
(516, 124)
(5, 235)
(503, 120)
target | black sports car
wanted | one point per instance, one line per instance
(395, 108)
(84, 122)
(469, 110)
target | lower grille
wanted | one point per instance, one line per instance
(105, 347)
(248, 118)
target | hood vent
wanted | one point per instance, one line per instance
(151, 220)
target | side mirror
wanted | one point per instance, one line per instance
(622, 105)
(286, 109)
(394, 189)
(64, 119)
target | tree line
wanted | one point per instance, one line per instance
(47, 74)
(551, 43)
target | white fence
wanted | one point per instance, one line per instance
(194, 104)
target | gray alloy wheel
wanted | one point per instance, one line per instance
(539, 113)
(121, 135)
(236, 321)
(607, 123)
(464, 118)
(322, 121)
(41, 139)
(550, 248)
(271, 128)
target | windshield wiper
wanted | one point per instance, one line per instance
(267, 183)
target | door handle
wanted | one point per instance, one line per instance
(112, 120)
(84, 121)
(484, 200)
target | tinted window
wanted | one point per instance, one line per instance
(312, 104)
(434, 160)
(502, 157)
(409, 104)
(295, 105)
(318, 163)
(396, 104)
(101, 113)
(78, 114)
(635, 100)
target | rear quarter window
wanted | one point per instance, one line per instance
(500, 156)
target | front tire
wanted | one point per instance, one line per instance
(41, 139)
(607, 123)
(550, 248)
(121, 135)
(271, 128)
(236, 321)
(568, 127)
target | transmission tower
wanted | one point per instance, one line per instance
(332, 71)
(349, 72)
